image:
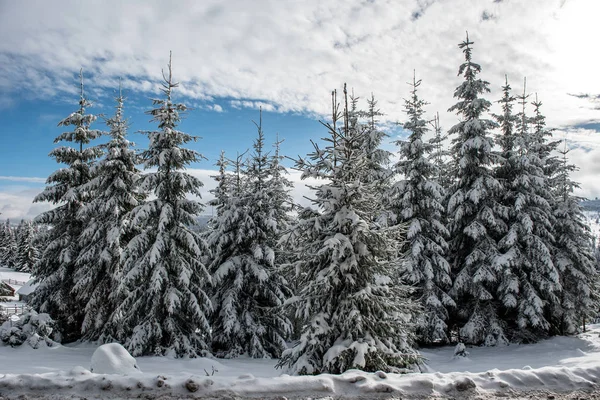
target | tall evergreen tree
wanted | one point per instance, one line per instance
(8, 245)
(107, 231)
(574, 257)
(56, 269)
(528, 279)
(440, 158)
(347, 269)
(475, 215)
(27, 252)
(417, 200)
(249, 289)
(279, 187)
(545, 147)
(222, 191)
(283, 208)
(507, 122)
(166, 308)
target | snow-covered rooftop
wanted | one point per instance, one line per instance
(28, 288)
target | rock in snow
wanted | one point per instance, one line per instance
(112, 358)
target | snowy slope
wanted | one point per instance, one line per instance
(559, 364)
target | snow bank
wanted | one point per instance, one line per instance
(560, 364)
(352, 384)
(112, 358)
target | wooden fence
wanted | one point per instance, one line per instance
(14, 282)
(8, 310)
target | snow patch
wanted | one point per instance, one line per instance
(112, 358)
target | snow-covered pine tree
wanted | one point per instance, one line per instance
(222, 191)
(474, 213)
(507, 122)
(166, 309)
(4, 232)
(545, 147)
(526, 274)
(440, 158)
(56, 268)
(107, 232)
(8, 245)
(355, 310)
(574, 257)
(280, 187)
(378, 158)
(248, 286)
(27, 253)
(417, 201)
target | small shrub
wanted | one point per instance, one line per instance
(35, 329)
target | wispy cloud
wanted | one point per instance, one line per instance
(289, 55)
(22, 179)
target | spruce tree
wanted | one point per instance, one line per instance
(27, 253)
(441, 161)
(417, 200)
(545, 147)
(507, 122)
(574, 258)
(107, 232)
(249, 288)
(475, 215)
(56, 269)
(352, 304)
(528, 279)
(166, 309)
(8, 245)
(377, 171)
(222, 191)
(283, 209)
(280, 187)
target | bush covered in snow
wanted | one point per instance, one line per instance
(32, 328)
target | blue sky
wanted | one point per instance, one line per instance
(232, 56)
(29, 138)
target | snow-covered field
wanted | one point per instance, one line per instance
(559, 364)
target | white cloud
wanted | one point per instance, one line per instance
(288, 55)
(16, 203)
(252, 104)
(291, 54)
(22, 179)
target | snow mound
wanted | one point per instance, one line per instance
(112, 358)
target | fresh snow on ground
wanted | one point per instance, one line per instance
(7, 274)
(559, 364)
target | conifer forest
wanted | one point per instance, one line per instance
(465, 234)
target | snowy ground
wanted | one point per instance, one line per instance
(7, 274)
(557, 366)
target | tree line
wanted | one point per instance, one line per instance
(19, 245)
(482, 242)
